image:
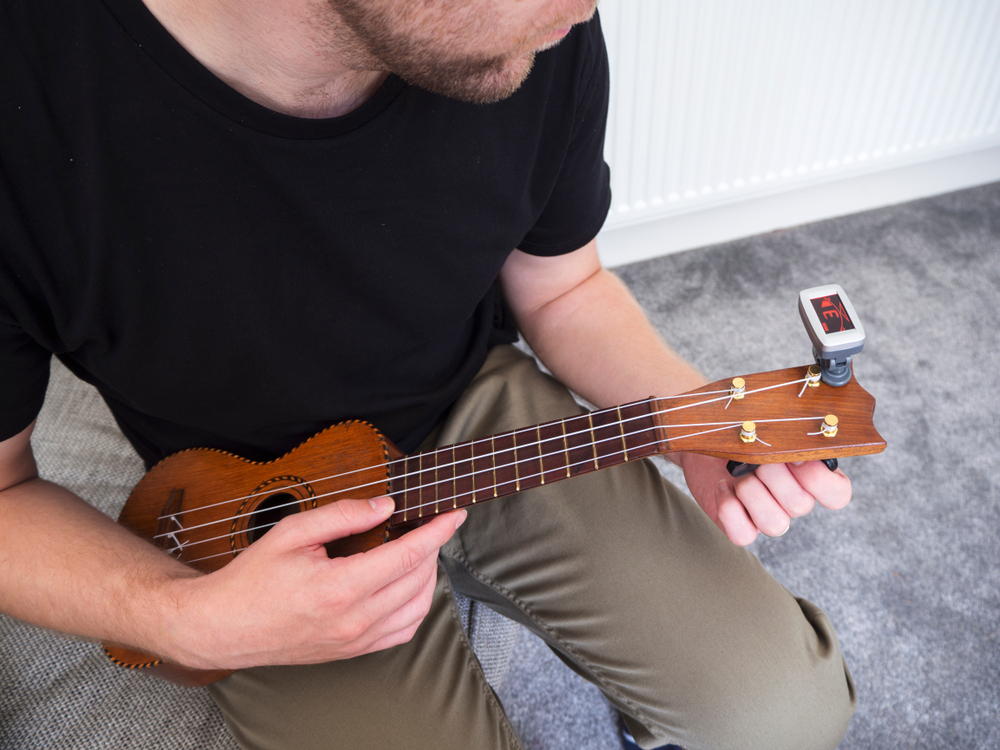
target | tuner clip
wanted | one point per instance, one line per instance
(739, 469)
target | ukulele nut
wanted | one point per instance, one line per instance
(814, 376)
(829, 426)
(748, 433)
(738, 391)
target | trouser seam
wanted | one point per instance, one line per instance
(477, 668)
(529, 612)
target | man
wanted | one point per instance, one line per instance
(246, 220)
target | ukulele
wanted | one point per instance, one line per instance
(205, 506)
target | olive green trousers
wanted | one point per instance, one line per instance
(620, 573)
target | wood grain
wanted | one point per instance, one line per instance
(789, 441)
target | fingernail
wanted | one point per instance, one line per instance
(382, 504)
(775, 536)
(723, 485)
(797, 463)
(462, 515)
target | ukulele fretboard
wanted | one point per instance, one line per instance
(457, 476)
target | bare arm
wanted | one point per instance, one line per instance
(54, 549)
(68, 567)
(590, 332)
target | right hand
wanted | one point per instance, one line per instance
(283, 601)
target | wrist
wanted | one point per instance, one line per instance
(176, 617)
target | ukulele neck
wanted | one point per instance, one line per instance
(767, 417)
(437, 481)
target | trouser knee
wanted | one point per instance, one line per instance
(798, 697)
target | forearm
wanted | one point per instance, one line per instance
(598, 342)
(68, 567)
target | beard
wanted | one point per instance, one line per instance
(470, 78)
(479, 81)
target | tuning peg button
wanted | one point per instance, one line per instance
(738, 389)
(739, 469)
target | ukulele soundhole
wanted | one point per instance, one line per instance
(269, 512)
(267, 504)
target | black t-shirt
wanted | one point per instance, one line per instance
(235, 278)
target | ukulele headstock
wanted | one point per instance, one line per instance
(770, 417)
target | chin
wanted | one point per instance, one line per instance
(492, 85)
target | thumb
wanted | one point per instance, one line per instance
(334, 521)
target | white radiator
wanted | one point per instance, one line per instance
(722, 100)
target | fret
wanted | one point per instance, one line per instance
(493, 456)
(397, 488)
(420, 485)
(444, 479)
(506, 479)
(581, 455)
(517, 474)
(472, 453)
(529, 469)
(621, 428)
(429, 484)
(552, 452)
(541, 464)
(413, 486)
(565, 447)
(454, 482)
(640, 432)
(463, 484)
(437, 485)
(593, 439)
(484, 476)
(608, 438)
(406, 490)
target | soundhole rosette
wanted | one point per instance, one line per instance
(267, 504)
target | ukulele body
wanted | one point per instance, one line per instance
(205, 506)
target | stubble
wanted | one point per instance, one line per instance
(376, 43)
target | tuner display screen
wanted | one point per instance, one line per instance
(832, 313)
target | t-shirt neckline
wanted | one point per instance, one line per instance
(166, 52)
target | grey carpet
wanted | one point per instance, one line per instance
(910, 571)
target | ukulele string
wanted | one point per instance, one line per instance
(561, 468)
(490, 454)
(490, 469)
(472, 444)
(417, 473)
(591, 460)
(621, 435)
(511, 481)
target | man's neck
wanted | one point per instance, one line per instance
(278, 54)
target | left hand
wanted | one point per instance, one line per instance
(765, 501)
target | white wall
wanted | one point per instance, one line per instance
(734, 117)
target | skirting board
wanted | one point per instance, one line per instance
(803, 204)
